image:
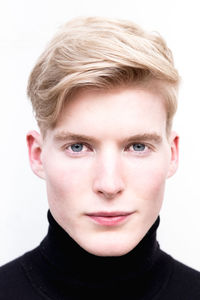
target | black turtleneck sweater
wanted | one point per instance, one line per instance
(59, 269)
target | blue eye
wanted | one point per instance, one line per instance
(139, 147)
(77, 147)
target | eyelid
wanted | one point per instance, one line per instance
(74, 143)
(148, 148)
(135, 143)
(90, 147)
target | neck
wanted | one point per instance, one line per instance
(64, 252)
(60, 267)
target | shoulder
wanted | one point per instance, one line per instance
(14, 282)
(186, 277)
(183, 283)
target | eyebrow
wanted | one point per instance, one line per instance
(145, 137)
(73, 137)
(66, 136)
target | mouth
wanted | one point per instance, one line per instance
(109, 218)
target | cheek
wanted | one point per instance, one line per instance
(65, 179)
(147, 179)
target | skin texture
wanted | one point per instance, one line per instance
(119, 162)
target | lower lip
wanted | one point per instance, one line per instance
(109, 221)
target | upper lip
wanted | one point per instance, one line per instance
(109, 214)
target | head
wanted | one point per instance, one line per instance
(104, 93)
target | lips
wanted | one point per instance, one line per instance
(109, 218)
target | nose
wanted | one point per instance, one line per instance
(108, 180)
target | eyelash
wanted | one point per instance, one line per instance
(139, 153)
(143, 144)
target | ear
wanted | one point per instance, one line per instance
(34, 142)
(174, 147)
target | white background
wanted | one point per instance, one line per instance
(25, 28)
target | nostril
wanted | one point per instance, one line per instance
(109, 195)
(108, 181)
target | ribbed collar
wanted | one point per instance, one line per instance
(64, 253)
(59, 267)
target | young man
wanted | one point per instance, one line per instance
(104, 94)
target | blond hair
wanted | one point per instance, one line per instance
(100, 53)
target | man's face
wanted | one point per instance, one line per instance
(105, 165)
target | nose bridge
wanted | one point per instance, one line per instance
(108, 179)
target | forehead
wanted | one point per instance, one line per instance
(121, 110)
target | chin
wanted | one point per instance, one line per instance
(114, 251)
(114, 248)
